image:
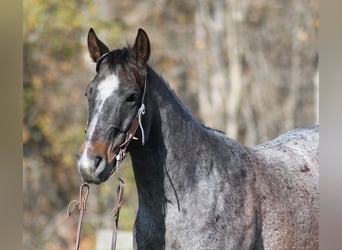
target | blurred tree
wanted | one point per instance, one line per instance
(257, 62)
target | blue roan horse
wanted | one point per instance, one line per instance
(197, 188)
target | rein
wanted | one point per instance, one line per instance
(81, 206)
(116, 211)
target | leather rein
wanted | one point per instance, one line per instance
(84, 188)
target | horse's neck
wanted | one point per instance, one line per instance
(172, 134)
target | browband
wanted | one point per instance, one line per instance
(99, 60)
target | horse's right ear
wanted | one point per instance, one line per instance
(95, 46)
(141, 47)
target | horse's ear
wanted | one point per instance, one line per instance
(95, 46)
(142, 47)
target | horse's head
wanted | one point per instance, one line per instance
(114, 97)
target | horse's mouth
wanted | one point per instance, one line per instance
(98, 178)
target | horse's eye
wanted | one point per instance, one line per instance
(88, 91)
(132, 98)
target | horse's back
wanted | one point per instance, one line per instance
(287, 174)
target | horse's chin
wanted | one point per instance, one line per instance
(107, 172)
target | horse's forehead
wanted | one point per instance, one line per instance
(107, 86)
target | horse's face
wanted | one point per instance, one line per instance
(114, 97)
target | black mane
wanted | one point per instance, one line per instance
(114, 57)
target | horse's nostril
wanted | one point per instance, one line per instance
(98, 160)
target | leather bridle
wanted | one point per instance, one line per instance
(137, 122)
(134, 125)
(81, 203)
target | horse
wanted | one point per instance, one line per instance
(197, 188)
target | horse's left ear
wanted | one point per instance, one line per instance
(142, 48)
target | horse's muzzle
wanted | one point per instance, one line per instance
(93, 163)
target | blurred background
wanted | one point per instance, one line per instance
(248, 68)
